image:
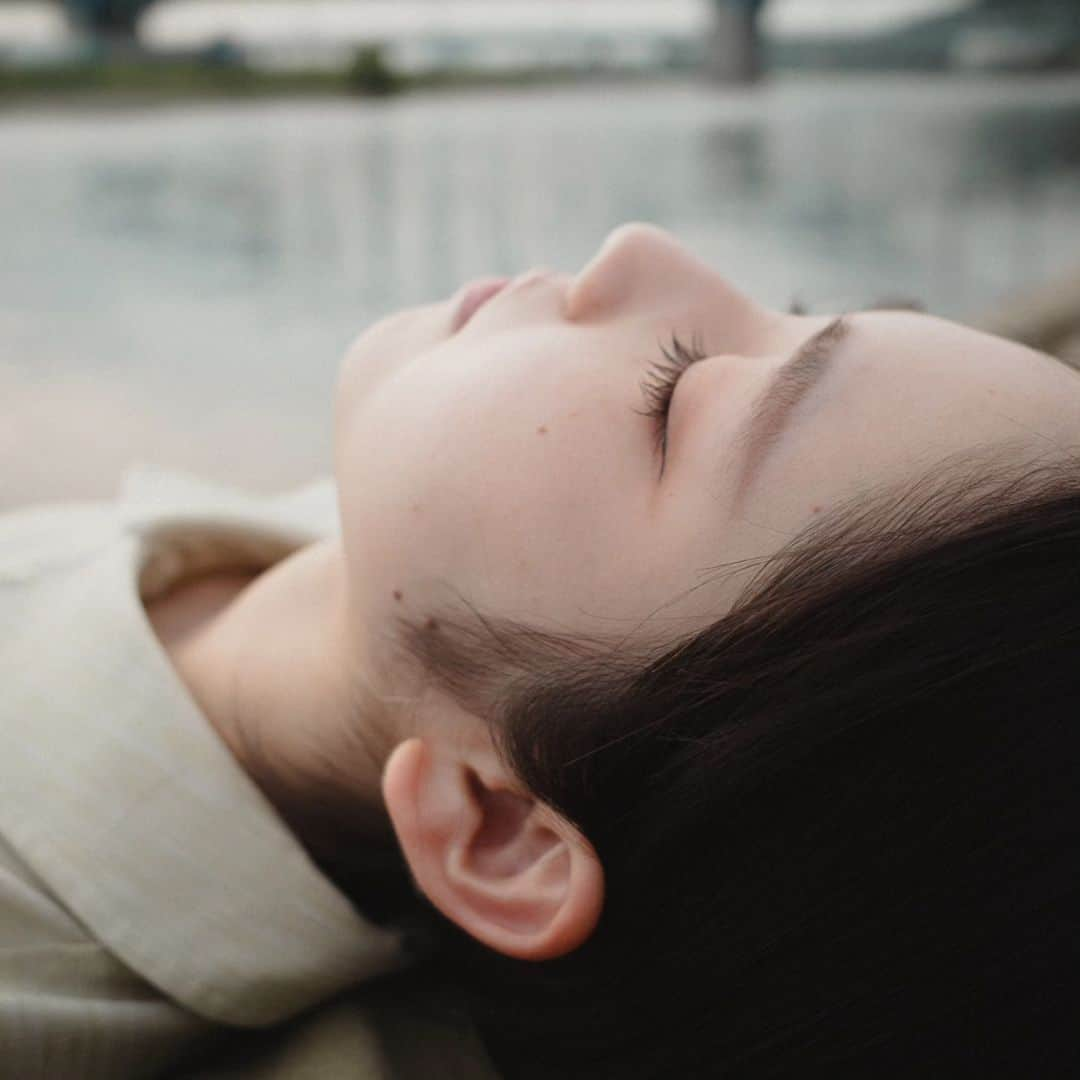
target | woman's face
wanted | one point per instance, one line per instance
(510, 463)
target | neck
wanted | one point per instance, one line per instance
(269, 660)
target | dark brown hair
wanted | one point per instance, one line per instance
(839, 826)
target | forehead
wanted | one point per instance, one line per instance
(916, 341)
(900, 366)
(905, 390)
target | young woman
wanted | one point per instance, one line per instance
(692, 686)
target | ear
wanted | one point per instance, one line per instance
(506, 868)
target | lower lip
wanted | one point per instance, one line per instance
(470, 298)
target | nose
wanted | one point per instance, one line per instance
(616, 271)
(641, 268)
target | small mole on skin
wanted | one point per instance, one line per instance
(815, 509)
(397, 594)
(541, 430)
(432, 624)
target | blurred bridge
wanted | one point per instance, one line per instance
(733, 48)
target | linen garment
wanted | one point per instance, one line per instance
(149, 894)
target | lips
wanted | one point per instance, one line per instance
(473, 296)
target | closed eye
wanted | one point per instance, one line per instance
(658, 386)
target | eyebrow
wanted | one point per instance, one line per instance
(773, 407)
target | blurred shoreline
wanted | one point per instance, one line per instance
(134, 92)
(142, 85)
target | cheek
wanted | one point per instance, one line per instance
(385, 346)
(498, 490)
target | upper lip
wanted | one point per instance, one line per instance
(560, 284)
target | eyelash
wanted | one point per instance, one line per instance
(658, 386)
(662, 376)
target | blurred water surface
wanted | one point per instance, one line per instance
(177, 284)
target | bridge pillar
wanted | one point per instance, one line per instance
(734, 42)
(116, 19)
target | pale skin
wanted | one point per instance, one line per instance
(506, 463)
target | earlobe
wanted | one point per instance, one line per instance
(508, 870)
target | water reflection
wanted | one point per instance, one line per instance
(179, 284)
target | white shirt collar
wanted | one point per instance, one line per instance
(116, 790)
